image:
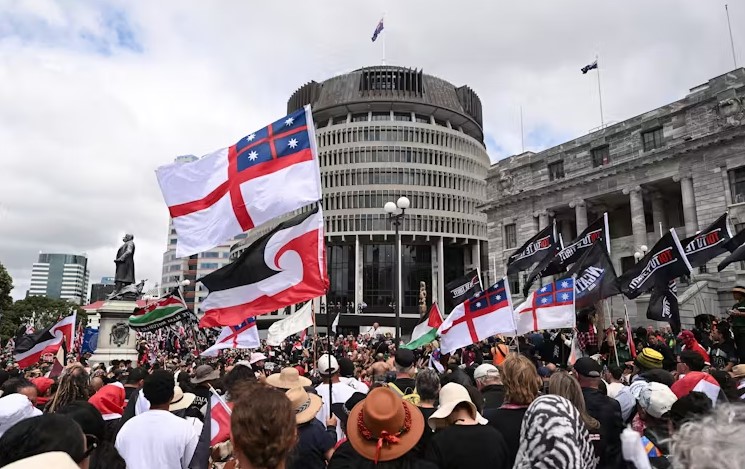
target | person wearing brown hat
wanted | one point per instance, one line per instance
(737, 318)
(738, 373)
(287, 378)
(203, 378)
(315, 442)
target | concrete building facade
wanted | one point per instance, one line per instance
(60, 276)
(679, 166)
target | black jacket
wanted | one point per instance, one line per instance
(493, 396)
(607, 411)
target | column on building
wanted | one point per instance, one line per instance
(689, 205)
(580, 214)
(357, 273)
(638, 223)
(566, 231)
(542, 219)
(658, 214)
(441, 272)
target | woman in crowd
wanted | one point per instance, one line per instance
(553, 435)
(73, 386)
(462, 439)
(564, 385)
(521, 386)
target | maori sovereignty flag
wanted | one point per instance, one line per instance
(30, 347)
(460, 289)
(266, 174)
(534, 250)
(161, 313)
(571, 253)
(663, 305)
(708, 243)
(282, 268)
(594, 277)
(664, 262)
(737, 248)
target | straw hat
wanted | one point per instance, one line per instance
(451, 395)
(288, 378)
(738, 371)
(181, 400)
(383, 426)
(306, 405)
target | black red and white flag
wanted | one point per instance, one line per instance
(736, 246)
(594, 277)
(663, 305)
(462, 288)
(534, 250)
(283, 267)
(707, 243)
(30, 347)
(664, 262)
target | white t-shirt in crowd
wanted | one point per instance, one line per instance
(613, 389)
(157, 438)
(341, 392)
(356, 384)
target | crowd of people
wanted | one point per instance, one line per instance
(360, 401)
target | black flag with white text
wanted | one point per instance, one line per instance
(534, 250)
(664, 262)
(707, 243)
(594, 277)
(663, 305)
(461, 289)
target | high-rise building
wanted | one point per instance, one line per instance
(176, 270)
(99, 291)
(60, 276)
(382, 133)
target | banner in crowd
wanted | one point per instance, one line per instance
(707, 243)
(220, 412)
(477, 318)
(30, 347)
(297, 322)
(90, 340)
(160, 313)
(736, 246)
(549, 307)
(266, 174)
(284, 267)
(594, 277)
(460, 289)
(244, 335)
(426, 331)
(664, 262)
(543, 244)
(663, 305)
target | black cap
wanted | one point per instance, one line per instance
(588, 367)
(404, 357)
(342, 410)
(346, 367)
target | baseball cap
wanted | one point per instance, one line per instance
(656, 399)
(586, 366)
(327, 364)
(404, 357)
(484, 370)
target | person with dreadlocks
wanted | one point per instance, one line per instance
(73, 386)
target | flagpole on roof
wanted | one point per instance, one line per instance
(731, 41)
(600, 94)
(384, 48)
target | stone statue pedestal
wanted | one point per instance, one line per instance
(116, 341)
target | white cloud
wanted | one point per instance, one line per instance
(96, 95)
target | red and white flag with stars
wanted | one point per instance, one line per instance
(266, 174)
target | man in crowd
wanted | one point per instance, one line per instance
(722, 353)
(378, 369)
(690, 343)
(688, 361)
(332, 390)
(405, 370)
(668, 357)
(737, 318)
(203, 378)
(133, 383)
(490, 384)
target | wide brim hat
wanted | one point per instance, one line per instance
(738, 371)
(384, 411)
(739, 289)
(305, 404)
(181, 400)
(288, 378)
(451, 395)
(205, 373)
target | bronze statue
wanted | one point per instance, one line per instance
(125, 264)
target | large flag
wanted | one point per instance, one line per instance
(664, 262)
(335, 324)
(590, 66)
(220, 412)
(268, 173)
(378, 30)
(244, 335)
(571, 253)
(90, 340)
(284, 267)
(160, 313)
(549, 307)
(737, 249)
(707, 243)
(594, 277)
(534, 250)
(426, 331)
(30, 347)
(663, 305)
(460, 289)
(481, 316)
(299, 321)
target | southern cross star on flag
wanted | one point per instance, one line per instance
(266, 174)
(550, 307)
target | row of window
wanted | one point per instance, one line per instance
(416, 223)
(391, 133)
(600, 156)
(398, 155)
(382, 116)
(419, 200)
(209, 265)
(403, 176)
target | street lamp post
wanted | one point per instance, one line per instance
(396, 211)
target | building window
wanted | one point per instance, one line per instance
(402, 116)
(600, 156)
(340, 119)
(652, 139)
(210, 254)
(510, 236)
(556, 170)
(341, 274)
(381, 116)
(359, 117)
(737, 184)
(514, 280)
(209, 265)
(422, 119)
(377, 273)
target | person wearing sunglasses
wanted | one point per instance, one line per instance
(90, 420)
(49, 440)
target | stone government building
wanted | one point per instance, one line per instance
(679, 166)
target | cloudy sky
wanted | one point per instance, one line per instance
(94, 95)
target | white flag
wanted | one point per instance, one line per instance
(335, 324)
(297, 322)
(550, 307)
(244, 335)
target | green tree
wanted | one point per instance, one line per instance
(6, 285)
(39, 311)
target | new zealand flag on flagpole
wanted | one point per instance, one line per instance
(589, 67)
(378, 30)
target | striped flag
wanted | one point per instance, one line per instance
(166, 311)
(426, 331)
(30, 347)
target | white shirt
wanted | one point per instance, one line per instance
(157, 438)
(341, 392)
(613, 389)
(356, 384)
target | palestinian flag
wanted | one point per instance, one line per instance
(426, 331)
(161, 313)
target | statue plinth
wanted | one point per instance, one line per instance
(116, 341)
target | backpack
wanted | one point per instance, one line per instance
(411, 398)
